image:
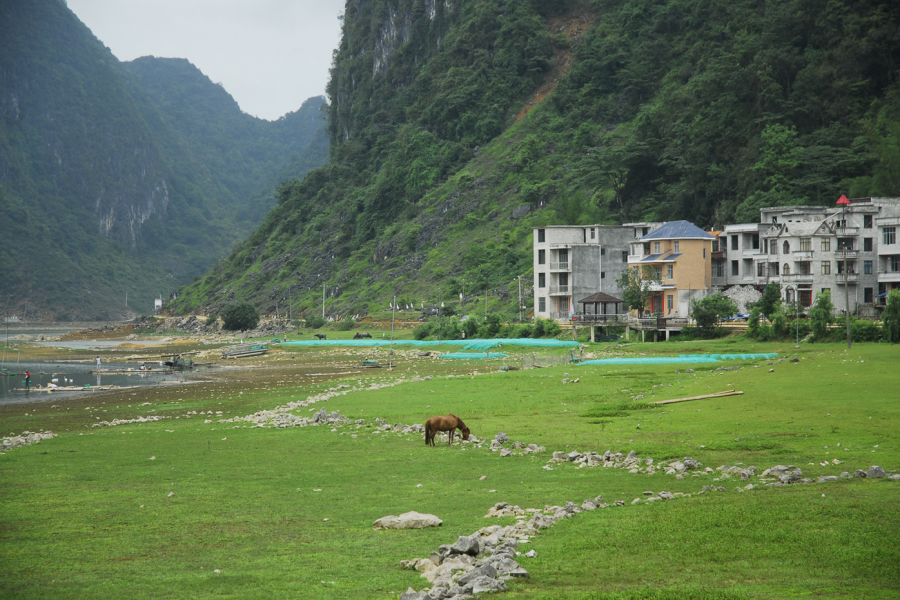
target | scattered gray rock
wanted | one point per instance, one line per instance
(875, 472)
(409, 520)
(859, 473)
(501, 438)
(506, 452)
(466, 545)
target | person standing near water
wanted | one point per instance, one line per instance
(27, 379)
(98, 363)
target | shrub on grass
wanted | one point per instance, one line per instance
(523, 331)
(345, 324)
(821, 315)
(314, 321)
(240, 316)
(552, 328)
(422, 331)
(709, 311)
(538, 330)
(862, 330)
(471, 326)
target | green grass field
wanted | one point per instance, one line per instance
(88, 514)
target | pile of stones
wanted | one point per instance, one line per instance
(523, 448)
(485, 560)
(116, 422)
(26, 438)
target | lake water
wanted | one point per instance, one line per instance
(12, 388)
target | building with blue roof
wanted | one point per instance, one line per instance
(678, 256)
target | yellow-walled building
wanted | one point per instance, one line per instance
(681, 254)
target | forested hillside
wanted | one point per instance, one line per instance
(114, 176)
(447, 116)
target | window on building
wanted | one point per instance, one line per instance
(867, 221)
(542, 280)
(760, 269)
(602, 274)
(715, 245)
(826, 244)
(895, 264)
(734, 242)
(676, 246)
(593, 233)
(825, 290)
(868, 295)
(867, 267)
(540, 236)
(704, 254)
(786, 269)
(805, 244)
(786, 247)
(670, 301)
(563, 305)
(845, 244)
(658, 272)
(542, 257)
(602, 251)
(624, 256)
(754, 241)
(841, 223)
(776, 265)
(669, 270)
(655, 247)
(840, 267)
(563, 259)
(645, 231)
(867, 244)
(735, 269)
(889, 235)
(773, 247)
(774, 220)
(826, 267)
(542, 305)
(806, 298)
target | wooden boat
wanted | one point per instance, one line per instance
(244, 350)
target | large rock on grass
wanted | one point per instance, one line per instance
(410, 520)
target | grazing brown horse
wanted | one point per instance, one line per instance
(444, 423)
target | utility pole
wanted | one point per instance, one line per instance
(126, 299)
(323, 300)
(843, 202)
(391, 355)
(168, 294)
(290, 312)
(520, 297)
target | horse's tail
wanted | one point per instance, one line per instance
(428, 432)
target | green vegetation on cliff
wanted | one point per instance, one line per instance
(654, 110)
(114, 175)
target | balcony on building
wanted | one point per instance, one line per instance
(889, 277)
(560, 290)
(846, 231)
(560, 266)
(803, 255)
(849, 277)
(797, 278)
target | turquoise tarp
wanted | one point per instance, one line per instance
(466, 344)
(474, 355)
(680, 359)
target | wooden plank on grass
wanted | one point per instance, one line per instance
(716, 395)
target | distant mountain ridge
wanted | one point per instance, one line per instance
(114, 176)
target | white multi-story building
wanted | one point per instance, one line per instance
(809, 249)
(574, 262)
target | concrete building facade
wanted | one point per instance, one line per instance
(809, 249)
(574, 262)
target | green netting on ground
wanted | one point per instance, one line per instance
(680, 359)
(500, 342)
(474, 355)
(466, 344)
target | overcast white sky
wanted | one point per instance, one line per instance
(270, 55)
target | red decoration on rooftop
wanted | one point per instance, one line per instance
(843, 200)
